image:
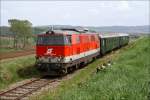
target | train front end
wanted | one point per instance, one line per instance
(51, 51)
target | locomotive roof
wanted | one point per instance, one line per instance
(108, 35)
(64, 32)
(79, 30)
(68, 30)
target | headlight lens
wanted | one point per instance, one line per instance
(59, 59)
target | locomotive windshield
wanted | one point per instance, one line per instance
(54, 40)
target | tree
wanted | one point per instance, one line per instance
(22, 30)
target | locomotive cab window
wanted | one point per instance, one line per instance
(68, 40)
(54, 40)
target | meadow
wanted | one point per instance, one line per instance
(126, 79)
(16, 69)
(7, 44)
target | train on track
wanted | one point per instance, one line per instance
(59, 51)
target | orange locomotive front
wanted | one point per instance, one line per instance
(58, 52)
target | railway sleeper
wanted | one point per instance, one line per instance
(30, 87)
(7, 98)
(16, 92)
(22, 90)
(38, 84)
(35, 84)
(12, 95)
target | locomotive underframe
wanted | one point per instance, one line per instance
(64, 68)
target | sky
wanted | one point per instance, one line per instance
(83, 13)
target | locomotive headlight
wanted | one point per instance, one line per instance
(41, 59)
(59, 59)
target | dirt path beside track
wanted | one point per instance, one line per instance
(16, 54)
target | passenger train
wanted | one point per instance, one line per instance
(61, 51)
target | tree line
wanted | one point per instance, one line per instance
(22, 32)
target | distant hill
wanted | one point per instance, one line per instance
(123, 29)
(4, 30)
(106, 29)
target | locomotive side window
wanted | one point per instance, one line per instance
(92, 38)
(96, 38)
(68, 39)
(77, 39)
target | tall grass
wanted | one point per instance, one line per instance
(7, 44)
(16, 69)
(127, 79)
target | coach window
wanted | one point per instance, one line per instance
(103, 42)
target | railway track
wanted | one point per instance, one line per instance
(26, 89)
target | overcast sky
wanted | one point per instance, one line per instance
(87, 13)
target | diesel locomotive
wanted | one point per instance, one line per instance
(61, 51)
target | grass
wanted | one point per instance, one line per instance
(16, 69)
(127, 79)
(6, 45)
(7, 50)
(6, 41)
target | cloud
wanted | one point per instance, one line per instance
(90, 13)
(94, 11)
(124, 5)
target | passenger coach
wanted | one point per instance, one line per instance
(111, 41)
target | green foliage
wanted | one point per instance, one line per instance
(6, 45)
(127, 79)
(6, 50)
(6, 42)
(20, 27)
(38, 30)
(16, 69)
(22, 30)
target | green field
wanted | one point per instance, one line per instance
(16, 69)
(6, 45)
(7, 50)
(127, 79)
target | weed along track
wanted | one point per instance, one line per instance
(26, 89)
